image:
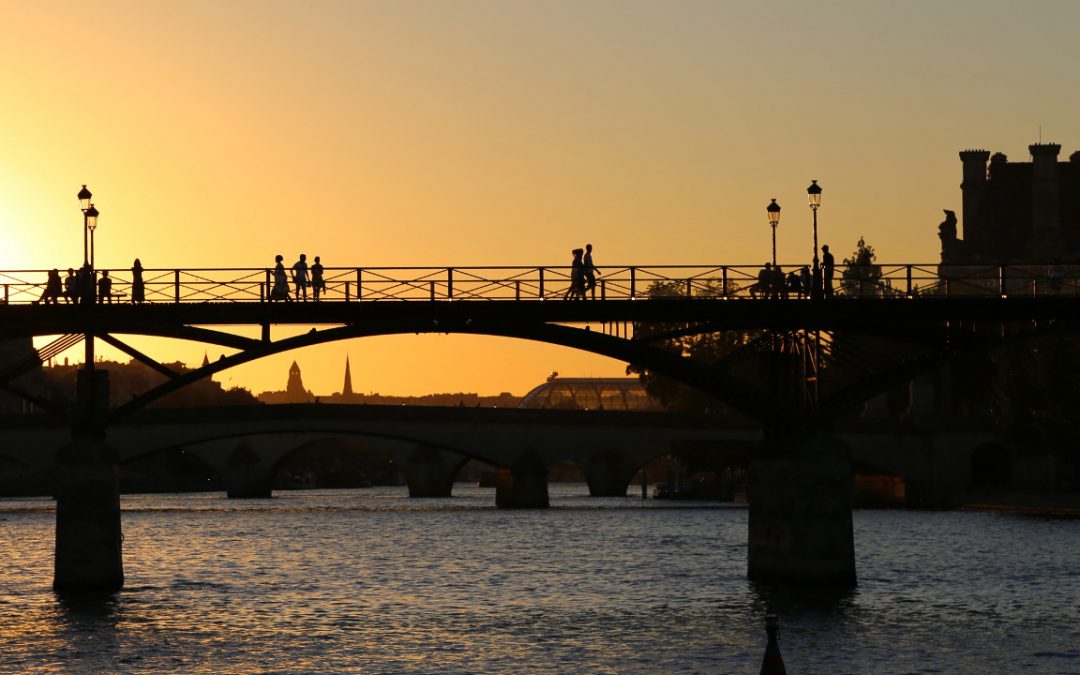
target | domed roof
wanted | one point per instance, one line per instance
(590, 393)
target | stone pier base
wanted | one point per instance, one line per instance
(524, 485)
(428, 475)
(88, 535)
(607, 474)
(800, 513)
(245, 477)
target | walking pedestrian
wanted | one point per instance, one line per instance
(590, 271)
(280, 288)
(54, 288)
(577, 277)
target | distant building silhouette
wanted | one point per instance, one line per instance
(294, 390)
(1016, 211)
(346, 389)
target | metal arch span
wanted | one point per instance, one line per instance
(709, 380)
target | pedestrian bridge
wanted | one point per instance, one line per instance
(639, 313)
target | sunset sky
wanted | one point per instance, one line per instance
(218, 134)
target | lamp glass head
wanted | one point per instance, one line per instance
(773, 209)
(813, 193)
(84, 198)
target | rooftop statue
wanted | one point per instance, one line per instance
(950, 245)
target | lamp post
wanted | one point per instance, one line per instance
(773, 209)
(813, 194)
(84, 204)
(91, 224)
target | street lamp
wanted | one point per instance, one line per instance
(813, 194)
(773, 209)
(91, 215)
(84, 204)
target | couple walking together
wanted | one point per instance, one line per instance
(582, 274)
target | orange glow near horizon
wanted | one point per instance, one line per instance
(490, 133)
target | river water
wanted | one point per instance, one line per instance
(371, 581)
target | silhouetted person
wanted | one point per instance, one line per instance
(54, 288)
(300, 276)
(793, 285)
(280, 289)
(138, 288)
(86, 285)
(779, 286)
(71, 286)
(104, 285)
(804, 281)
(318, 284)
(828, 266)
(590, 271)
(763, 288)
(577, 277)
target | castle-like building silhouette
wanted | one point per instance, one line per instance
(1016, 212)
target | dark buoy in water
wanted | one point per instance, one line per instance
(773, 663)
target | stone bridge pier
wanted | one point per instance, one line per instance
(430, 472)
(523, 485)
(89, 539)
(800, 512)
(608, 472)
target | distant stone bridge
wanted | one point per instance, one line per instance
(430, 444)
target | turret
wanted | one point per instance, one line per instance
(1045, 202)
(973, 188)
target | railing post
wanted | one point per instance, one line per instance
(449, 283)
(1001, 281)
(348, 284)
(264, 293)
(176, 285)
(359, 288)
(603, 289)
(541, 283)
(6, 296)
(432, 286)
(517, 290)
(723, 273)
(633, 283)
(689, 288)
(909, 281)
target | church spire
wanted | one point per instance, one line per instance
(346, 390)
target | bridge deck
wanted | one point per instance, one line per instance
(350, 284)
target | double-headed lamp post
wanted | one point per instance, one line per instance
(813, 193)
(773, 209)
(90, 216)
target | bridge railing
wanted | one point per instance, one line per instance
(731, 282)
